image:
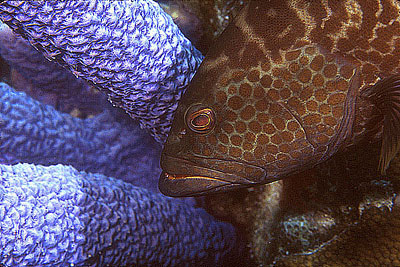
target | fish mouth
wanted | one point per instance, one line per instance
(184, 178)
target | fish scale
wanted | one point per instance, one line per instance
(290, 84)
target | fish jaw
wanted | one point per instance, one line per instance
(184, 178)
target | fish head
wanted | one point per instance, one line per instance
(204, 153)
(262, 105)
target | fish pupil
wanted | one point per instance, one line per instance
(201, 121)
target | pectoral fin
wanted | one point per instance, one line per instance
(385, 94)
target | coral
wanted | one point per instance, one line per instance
(109, 143)
(283, 229)
(131, 50)
(51, 83)
(202, 20)
(111, 51)
(369, 239)
(57, 216)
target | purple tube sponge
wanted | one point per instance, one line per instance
(110, 143)
(47, 78)
(57, 216)
(131, 50)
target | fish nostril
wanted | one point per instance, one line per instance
(172, 144)
(181, 133)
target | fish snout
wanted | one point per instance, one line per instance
(173, 144)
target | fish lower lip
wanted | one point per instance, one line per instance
(188, 185)
(182, 178)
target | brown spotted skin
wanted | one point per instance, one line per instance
(286, 82)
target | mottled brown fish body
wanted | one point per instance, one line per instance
(288, 83)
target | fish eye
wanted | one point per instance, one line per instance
(200, 118)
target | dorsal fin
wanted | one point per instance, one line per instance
(385, 94)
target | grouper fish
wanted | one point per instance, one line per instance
(287, 85)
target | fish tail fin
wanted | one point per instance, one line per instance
(385, 94)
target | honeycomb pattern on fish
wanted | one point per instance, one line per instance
(274, 115)
(291, 104)
(291, 83)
